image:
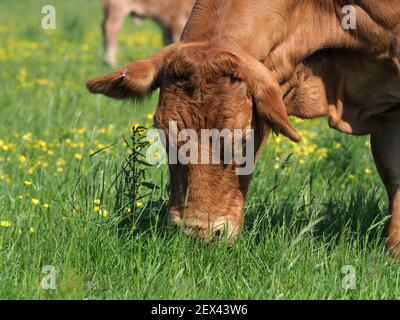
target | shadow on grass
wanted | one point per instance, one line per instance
(355, 213)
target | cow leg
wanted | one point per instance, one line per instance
(176, 33)
(385, 142)
(114, 16)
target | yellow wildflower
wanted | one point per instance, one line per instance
(5, 223)
(42, 82)
(28, 183)
(103, 213)
(78, 156)
(22, 159)
(42, 144)
(27, 137)
(139, 204)
(337, 145)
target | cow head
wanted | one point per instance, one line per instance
(203, 87)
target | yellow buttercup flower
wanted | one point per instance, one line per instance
(42, 144)
(27, 137)
(46, 206)
(139, 204)
(368, 171)
(103, 213)
(5, 223)
(337, 145)
(78, 156)
(42, 82)
(44, 165)
(96, 202)
(96, 209)
(28, 183)
(60, 162)
(35, 202)
(22, 159)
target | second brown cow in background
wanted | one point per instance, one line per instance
(171, 15)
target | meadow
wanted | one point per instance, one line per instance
(316, 214)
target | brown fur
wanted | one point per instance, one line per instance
(171, 15)
(250, 65)
(360, 96)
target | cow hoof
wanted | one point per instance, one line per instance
(110, 61)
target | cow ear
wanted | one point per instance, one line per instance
(135, 81)
(271, 109)
(267, 97)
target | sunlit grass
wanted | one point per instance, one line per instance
(312, 209)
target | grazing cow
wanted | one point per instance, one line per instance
(239, 66)
(171, 15)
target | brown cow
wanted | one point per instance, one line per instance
(233, 72)
(171, 15)
(360, 96)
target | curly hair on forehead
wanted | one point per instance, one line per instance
(205, 64)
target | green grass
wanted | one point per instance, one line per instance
(306, 217)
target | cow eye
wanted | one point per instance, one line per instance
(236, 79)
